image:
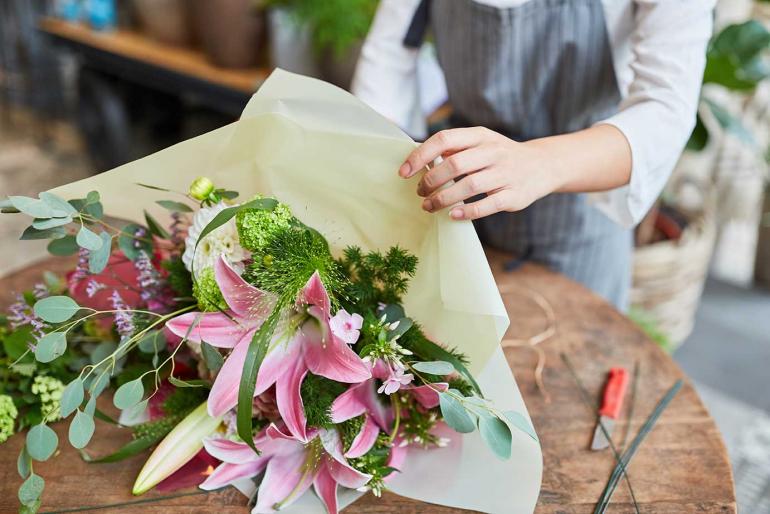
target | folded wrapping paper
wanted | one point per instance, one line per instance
(334, 161)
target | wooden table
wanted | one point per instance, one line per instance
(681, 467)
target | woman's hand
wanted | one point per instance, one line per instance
(512, 174)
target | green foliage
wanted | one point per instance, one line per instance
(129, 394)
(417, 423)
(8, 414)
(318, 394)
(375, 463)
(349, 430)
(336, 24)
(207, 292)
(256, 227)
(288, 261)
(377, 278)
(645, 322)
(41, 442)
(179, 279)
(56, 309)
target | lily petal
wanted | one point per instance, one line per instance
(342, 472)
(358, 399)
(314, 293)
(226, 450)
(224, 392)
(245, 300)
(226, 473)
(426, 395)
(213, 327)
(328, 356)
(289, 399)
(285, 480)
(278, 361)
(396, 458)
(365, 439)
(326, 488)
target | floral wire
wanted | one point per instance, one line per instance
(534, 341)
(587, 402)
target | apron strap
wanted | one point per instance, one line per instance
(419, 26)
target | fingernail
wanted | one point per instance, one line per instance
(405, 170)
(456, 214)
(420, 191)
(427, 205)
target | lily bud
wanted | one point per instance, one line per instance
(177, 448)
(201, 188)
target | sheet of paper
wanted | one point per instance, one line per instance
(334, 161)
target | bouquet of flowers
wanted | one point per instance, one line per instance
(246, 336)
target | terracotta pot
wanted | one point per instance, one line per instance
(231, 32)
(167, 21)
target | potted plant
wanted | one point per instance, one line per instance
(675, 241)
(231, 31)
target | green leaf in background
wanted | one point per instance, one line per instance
(93, 197)
(404, 324)
(51, 346)
(97, 260)
(730, 123)
(517, 419)
(95, 210)
(41, 442)
(152, 342)
(177, 382)
(132, 448)
(58, 203)
(699, 137)
(496, 435)
(46, 223)
(81, 430)
(31, 489)
(63, 247)
(71, 397)
(155, 227)
(174, 206)
(31, 233)
(17, 342)
(88, 240)
(455, 415)
(439, 368)
(24, 463)
(131, 246)
(212, 357)
(129, 394)
(56, 309)
(34, 207)
(734, 58)
(155, 188)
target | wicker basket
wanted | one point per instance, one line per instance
(668, 277)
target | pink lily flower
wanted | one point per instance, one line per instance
(314, 347)
(291, 466)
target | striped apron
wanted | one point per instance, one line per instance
(538, 69)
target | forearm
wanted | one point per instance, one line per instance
(594, 159)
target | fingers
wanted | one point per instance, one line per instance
(460, 163)
(472, 185)
(491, 204)
(451, 140)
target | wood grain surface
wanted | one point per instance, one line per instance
(682, 467)
(135, 45)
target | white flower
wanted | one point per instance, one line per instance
(222, 241)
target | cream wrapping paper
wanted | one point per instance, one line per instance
(334, 161)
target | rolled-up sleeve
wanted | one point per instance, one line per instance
(658, 113)
(386, 75)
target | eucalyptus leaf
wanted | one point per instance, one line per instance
(81, 430)
(129, 245)
(98, 384)
(93, 197)
(89, 240)
(24, 463)
(31, 490)
(31, 233)
(51, 346)
(64, 246)
(517, 420)
(152, 342)
(439, 368)
(392, 312)
(71, 397)
(155, 227)
(34, 207)
(403, 325)
(455, 415)
(496, 435)
(56, 309)
(97, 260)
(129, 394)
(95, 210)
(58, 203)
(212, 357)
(90, 408)
(46, 223)
(41, 442)
(155, 188)
(174, 206)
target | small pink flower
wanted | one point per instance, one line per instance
(395, 380)
(346, 326)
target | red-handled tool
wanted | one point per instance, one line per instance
(612, 404)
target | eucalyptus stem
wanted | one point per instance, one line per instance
(394, 400)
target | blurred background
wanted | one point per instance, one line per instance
(88, 85)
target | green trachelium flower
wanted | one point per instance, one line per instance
(49, 389)
(256, 227)
(207, 292)
(8, 415)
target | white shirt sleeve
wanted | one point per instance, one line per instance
(386, 75)
(658, 114)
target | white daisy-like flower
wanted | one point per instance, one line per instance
(222, 241)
